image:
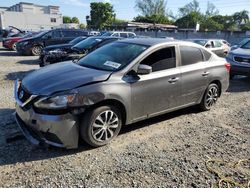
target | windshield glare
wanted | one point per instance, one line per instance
(246, 46)
(88, 43)
(112, 57)
(76, 40)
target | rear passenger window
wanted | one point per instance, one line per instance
(161, 59)
(115, 35)
(56, 34)
(206, 54)
(124, 35)
(217, 44)
(69, 33)
(190, 55)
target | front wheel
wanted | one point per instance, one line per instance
(36, 50)
(210, 97)
(100, 125)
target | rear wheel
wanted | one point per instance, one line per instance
(36, 50)
(210, 97)
(101, 125)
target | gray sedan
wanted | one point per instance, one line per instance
(120, 83)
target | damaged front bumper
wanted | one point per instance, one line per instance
(57, 130)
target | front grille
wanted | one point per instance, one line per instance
(22, 94)
(241, 59)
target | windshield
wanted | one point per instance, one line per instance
(42, 33)
(88, 43)
(244, 41)
(246, 45)
(200, 42)
(77, 40)
(107, 34)
(112, 57)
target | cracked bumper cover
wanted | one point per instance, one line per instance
(56, 130)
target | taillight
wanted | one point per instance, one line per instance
(228, 66)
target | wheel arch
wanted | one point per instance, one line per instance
(112, 102)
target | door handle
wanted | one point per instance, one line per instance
(205, 73)
(173, 80)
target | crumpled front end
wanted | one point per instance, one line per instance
(60, 130)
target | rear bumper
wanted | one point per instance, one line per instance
(56, 130)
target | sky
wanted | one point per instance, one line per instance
(125, 9)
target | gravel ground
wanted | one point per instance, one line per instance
(166, 151)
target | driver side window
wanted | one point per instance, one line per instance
(161, 59)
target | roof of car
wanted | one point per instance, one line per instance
(147, 41)
(105, 37)
(204, 39)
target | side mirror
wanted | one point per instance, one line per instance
(144, 69)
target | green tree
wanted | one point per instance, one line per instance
(151, 7)
(240, 17)
(82, 26)
(190, 20)
(209, 24)
(66, 19)
(156, 18)
(245, 27)
(101, 15)
(227, 22)
(189, 8)
(75, 20)
(211, 10)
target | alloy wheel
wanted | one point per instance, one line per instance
(212, 96)
(36, 50)
(105, 126)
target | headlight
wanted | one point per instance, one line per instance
(230, 56)
(57, 102)
(57, 51)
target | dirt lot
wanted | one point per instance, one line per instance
(167, 151)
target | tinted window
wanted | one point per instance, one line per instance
(88, 43)
(112, 57)
(200, 42)
(131, 35)
(217, 44)
(190, 55)
(56, 34)
(206, 54)
(115, 35)
(107, 34)
(69, 33)
(161, 59)
(124, 35)
(77, 40)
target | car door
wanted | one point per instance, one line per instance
(52, 38)
(217, 48)
(193, 74)
(158, 91)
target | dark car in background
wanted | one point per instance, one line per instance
(60, 47)
(34, 45)
(239, 59)
(10, 43)
(118, 84)
(219, 46)
(77, 51)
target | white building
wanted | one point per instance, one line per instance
(29, 16)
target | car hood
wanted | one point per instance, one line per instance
(241, 51)
(59, 46)
(60, 77)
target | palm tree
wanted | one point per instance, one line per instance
(241, 16)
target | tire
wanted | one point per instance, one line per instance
(14, 46)
(36, 50)
(210, 97)
(95, 129)
(44, 61)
